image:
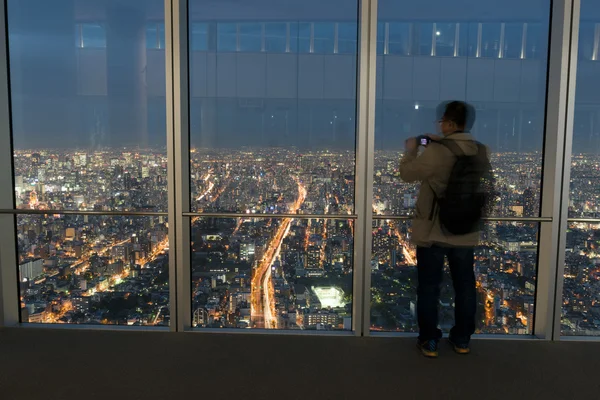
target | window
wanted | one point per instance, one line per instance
(155, 35)
(505, 272)
(82, 269)
(324, 34)
(400, 34)
(89, 134)
(250, 37)
(276, 35)
(513, 40)
(424, 39)
(227, 38)
(445, 38)
(537, 36)
(90, 35)
(381, 38)
(272, 273)
(490, 39)
(580, 294)
(587, 40)
(509, 98)
(305, 37)
(347, 37)
(199, 36)
(275, 135)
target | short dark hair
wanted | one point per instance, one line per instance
(459, 112)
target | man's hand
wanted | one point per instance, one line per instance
(411, 144)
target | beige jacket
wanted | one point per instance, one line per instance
(432, 168)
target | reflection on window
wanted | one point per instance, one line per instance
(227, 38)
(381, 38)
(304, 37)
(199, 36)
(276, 37)
(155, 36)
(324, 33)
(423, 38)
(400, 36)
(90, 35)
(536, 44)
(250, 37)
(513, 40)
(505, 271)
(490, 40)
(347, 37)
(272, 273)
(79, 269)
(445, 35)
(89, 126)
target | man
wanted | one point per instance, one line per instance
(432, 168)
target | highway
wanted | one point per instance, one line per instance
(409, 254)
(262, 298)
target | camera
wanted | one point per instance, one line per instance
(423, 140)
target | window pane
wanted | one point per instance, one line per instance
(445, 34)
(88, 269)
(89, 127)
(587, 40)
(226, 37)
(537, 38)
(93, 35)
(152, 36)
(380, 38)
(347, 36)
(505, 271)
(400, 38)
(473, 39)
(303, 37)
(272, 273)
(423, 38)
(161, 35)
(276, 37)
(263, 125)
(250, 37)
(199, 36)
(513, 40)
(324, 37)
(275, 134)
(581, 292)
(508, 95)
(490, 39)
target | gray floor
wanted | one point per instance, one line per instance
(74, 364)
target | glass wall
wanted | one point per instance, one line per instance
(89, 269)
(581, 293)
(490, 63)
(273, 273)
(89, 134)
(505, 271)
(273, 111)
(272, 157)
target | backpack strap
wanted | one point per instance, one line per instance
(457, 152)
(452, 146)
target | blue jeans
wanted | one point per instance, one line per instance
(430, 265)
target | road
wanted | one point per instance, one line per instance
(262, 298)
(409, 254)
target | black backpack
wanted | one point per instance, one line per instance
(470, 191)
